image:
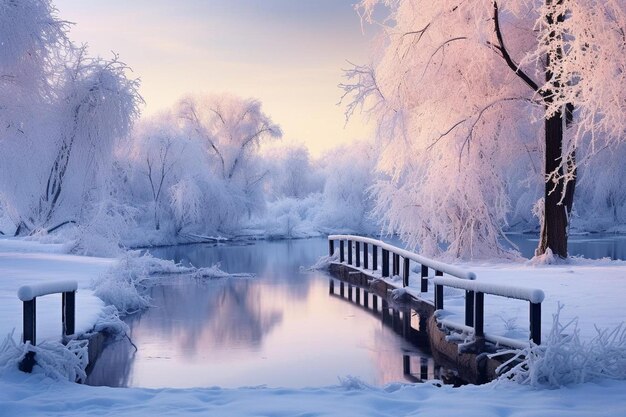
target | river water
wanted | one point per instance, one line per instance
(282, 328)
(285, 327)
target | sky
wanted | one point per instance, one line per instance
(287, 53)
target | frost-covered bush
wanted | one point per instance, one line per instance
(125, 286)
(564, 359)
(101, 234)
(54, 359)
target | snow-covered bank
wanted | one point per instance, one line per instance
(34, 395)
(24, 262)
(586, 288)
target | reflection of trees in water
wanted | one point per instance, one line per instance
(197, 316)
(269, 260)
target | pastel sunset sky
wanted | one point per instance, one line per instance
(287, 53)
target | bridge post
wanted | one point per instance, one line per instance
(535, 323)
(331, 247)
(438, 293)
(396, 264)
(342, 256)
(357, 249)
(349, 252)
(365, 257)
(424, 279)
(469, 308)
(30, 321)
(385, 263)
(479, 315)
(406, 271)
(438, 297)
(68, 306)
(374, 257)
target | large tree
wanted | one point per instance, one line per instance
(61, 113)
(468, 94)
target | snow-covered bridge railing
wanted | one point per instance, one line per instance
(358, 256)
(395, 253)
(475, 306)
(29, 293)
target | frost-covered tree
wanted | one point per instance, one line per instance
(30, 36)
(346, 203)
(97, 106)
(463, 91)
(230, 130)
(155, 161)
(61, 113)
(292, 173)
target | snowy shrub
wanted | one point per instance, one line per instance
(100, 235)
(125, 286)
(214, 272)
(564, 359)
(54, 359)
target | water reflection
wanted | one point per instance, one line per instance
(281, 328)
(414, 363)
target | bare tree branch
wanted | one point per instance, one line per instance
(505, 53)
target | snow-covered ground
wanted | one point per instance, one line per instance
(31, 395)
(26, 262)
(591, 290)
(587, 289)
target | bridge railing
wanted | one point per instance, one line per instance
(28, 295)
(357, 243)
(475, 305)
(459, 278)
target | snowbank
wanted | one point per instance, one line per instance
(27, 395)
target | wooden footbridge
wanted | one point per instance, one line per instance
(359, 259)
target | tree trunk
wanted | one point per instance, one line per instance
(558, 193)
(555, 215)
